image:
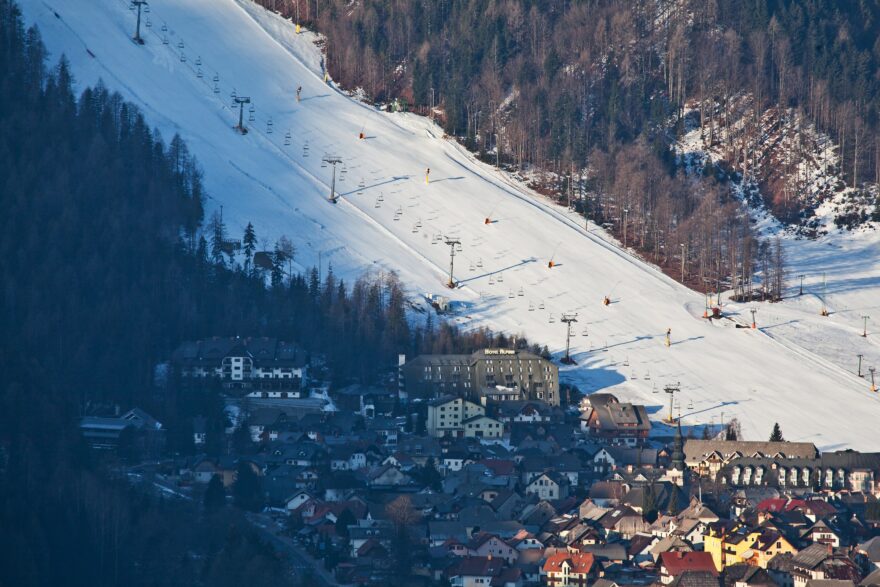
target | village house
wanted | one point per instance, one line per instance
(673, 564)
(565, 569)
(731, 544)
(606, 419)
(457, 417)
(549, 486)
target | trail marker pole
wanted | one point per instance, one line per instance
(860, 365)
(753, 311)
(824, 291)
(332, 160)
(801, 277)
(865, 330)
(873, 383)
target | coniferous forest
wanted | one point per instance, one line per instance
(106, 268)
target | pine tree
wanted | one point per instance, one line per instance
(776, 435)
(215, 495)
(218, 237)
(250, 245)
(278, 260)
(247, 488)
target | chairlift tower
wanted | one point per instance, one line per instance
(241, 101)
(568, 319)
(333, 160)
(137, 31)
(453, 243)
(672, 390)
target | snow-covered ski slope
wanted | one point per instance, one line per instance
(759, 376)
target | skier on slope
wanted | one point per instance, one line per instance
(299, 90)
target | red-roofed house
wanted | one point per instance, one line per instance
(672, 564)
(475, 571)
(564, 568)
(499, 467)
(780, 504)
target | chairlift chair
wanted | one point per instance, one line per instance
(552, 319)
(148, 23)
(180, 45)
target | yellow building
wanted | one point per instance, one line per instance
(730, 544)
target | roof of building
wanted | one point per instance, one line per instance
(581, 563)
(477, 566)
(696, 579)
(812, 556)
(695, 449)
(676, 563)
(263, 350)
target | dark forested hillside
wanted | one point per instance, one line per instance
(106, 269)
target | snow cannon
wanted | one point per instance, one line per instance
(361, 135)
(606, 301)
(550, 264)
(487, 221)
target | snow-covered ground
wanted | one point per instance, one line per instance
(793, 370)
